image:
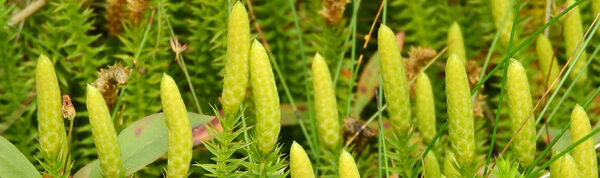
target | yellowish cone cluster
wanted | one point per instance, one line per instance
(584, 154)
(520, 107)
(300, 166)
(432, 167)
(266, 99)
(237, 67)
(178, 125)
(104, 134)
(425, 108)
(573, 35)
(548, 63)
(564, 167)
(499, 8)
(326, 110)
(395, 85)
(456, 44)
(347, 166)
(460, 111)
(51, 129)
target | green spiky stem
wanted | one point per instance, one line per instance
(573, 35)
(456, 44)
(520, 108)
(235, 80)
(104, 134)
(425, 108)
(432, 167)
(584, 154)
(51, 129)
(347, 166)
(180, 137)
(266, 98)
(460, 111)
(547, 60)
(395, 86)
(300, 166)
(326, 110)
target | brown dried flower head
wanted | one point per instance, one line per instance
(353, 127)
(333, 10)
(417, 59)
(473, 72)
(68, 111)
(479, 105)
(109, 80)
(114, 14)
(136, 10)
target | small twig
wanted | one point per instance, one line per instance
(368, 37)
(547, 16)
(28, 11)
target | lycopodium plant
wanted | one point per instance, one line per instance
(300, 166)
(347, 166)
(564, 167)
(431, 168)
(395, 90)
(180, 138)
(265, 97)
(326, 110)
(235, 80)
(521, 113)
(51, 128)
(265, 159)
(584, 154)
(573, 35)
(395, 86)
(499, 8)
(547, 60)
(460, 111)
(425, 108)
(456, 44)
(104, 134)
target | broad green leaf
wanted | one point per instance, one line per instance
(143, 142)
(367, 85)
(13, 163)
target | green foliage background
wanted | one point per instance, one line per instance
(74, 35)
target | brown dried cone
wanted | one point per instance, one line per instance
(109, 81)
(355, 130)
(333, 10)
(136, 10)
(114, 13)
(418, 57)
